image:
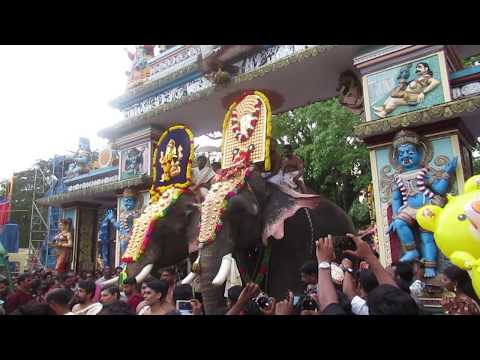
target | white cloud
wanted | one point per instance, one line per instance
(52, 95)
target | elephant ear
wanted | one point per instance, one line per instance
(282, 205)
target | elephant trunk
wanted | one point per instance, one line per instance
(210, 263)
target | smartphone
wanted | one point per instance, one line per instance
(296, 299)
(184, 306)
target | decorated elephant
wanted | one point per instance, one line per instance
(169, 240)
(253, 216)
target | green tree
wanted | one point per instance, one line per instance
(336, 163)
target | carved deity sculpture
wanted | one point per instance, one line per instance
(414, 185)
(81, 159)
(125, 223)
(350, 91)
(63, 243)
(140, 69)
(409, 92)
(134, 162)
(170, 160)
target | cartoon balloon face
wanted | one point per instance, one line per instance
(456, 227)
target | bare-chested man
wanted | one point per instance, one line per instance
(291, 171)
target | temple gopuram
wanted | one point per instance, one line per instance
(405, 94)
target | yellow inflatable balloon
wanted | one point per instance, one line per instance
(456, 228)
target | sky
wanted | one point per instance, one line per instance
(52, 95)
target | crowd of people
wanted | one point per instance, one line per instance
(363, 287)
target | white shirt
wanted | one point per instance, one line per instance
(93, 309)
(359, 306)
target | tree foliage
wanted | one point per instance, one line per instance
(24, 186)
(336, 163)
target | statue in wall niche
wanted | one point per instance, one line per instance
(125, 223)
(134, 162)
(414, 185)
(350, 92)
(63, 243)
(411, 93)
(81, 159)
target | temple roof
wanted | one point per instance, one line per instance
(95, 194)
(315, 68)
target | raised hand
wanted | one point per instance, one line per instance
(363, 249)
(285, 307)
(249, 292)
(325, 250)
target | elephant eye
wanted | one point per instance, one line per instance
(462, 217)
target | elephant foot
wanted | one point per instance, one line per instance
(430, 273)
(410, 255)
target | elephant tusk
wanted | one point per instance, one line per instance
(189, 278)
(109, 282)
(144, 273)
(224, 271)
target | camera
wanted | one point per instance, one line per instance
(308, 303)
(263, 301)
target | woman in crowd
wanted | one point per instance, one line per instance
(460, 298)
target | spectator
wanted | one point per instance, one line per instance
(59, 301)
(22, 294)
(168, 275)
(245, 305)
(68, 281)
(143, 303)
(4, 288)
(155, 295)
(34, 308)
(367, 282)
(84, 295)
(110, 294)
(462, 299)
(327, 294)
(116, 307)
(118, 270)
(387, 298)
(107, 275)
(90, 276)
(130, 287)
(309, 274)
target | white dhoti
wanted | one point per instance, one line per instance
(285, 179)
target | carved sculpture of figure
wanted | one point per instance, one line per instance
(63, 243)
(411, 93)
(81, 159)
(170, 160)
(104, 238)
(414, 186)
(140, 69)
(125, 223)
(134, 162)
(351, 94)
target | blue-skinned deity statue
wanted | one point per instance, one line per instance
(126, 218)
(81, 159)
(414, 185)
